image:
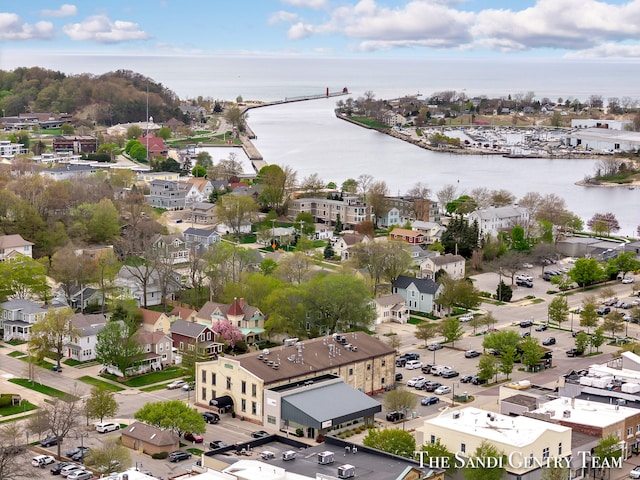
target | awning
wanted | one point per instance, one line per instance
(221, 402)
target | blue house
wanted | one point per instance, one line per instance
(418, 293)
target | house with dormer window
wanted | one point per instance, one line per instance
(419, 294)
(452, 265)
(250, 320)
(157, 348)
(189, 337)
(18, 316)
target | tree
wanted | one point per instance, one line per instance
(589, 313)
(451, 330)
(532, 352)
(203, 159)
(235, 211)
(236, 117)
(230, 333)
(275, 182)
(199, 171)
(426, 331)
(460, 237)
(294, 268)
(438, 450)
(72, 270)
(52, 333)
(507, 360)
(101, 404)
(350, 185)
(604, 223)
(62, 416)
(312, 183)
(608, 451)
(597, 339)
(376, 194)
(504, 292)
(134, 131)
(172, 415)
(110, 457)
(500, 340)
(581, 342)
(164, 133)
(485, 463)
(487, 367)
(446, 194)
(305, 223)
(328, 252)
(391, 440)
(117, 346)
(519, 241)
(13, 465)
(558, 310)
(625, 263)
(613, 322)
(394, 342)
(400, 400)
(586, 271)
(22, 278)
(562, 281)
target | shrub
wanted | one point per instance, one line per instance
(160, 455)
(5, 400)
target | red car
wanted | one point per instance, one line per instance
(194, 437)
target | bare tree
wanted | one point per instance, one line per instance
(63, 416)
(14, 458)
(501, 198)
(446, 194)
(312, 183)
(294, 268)
(376, 198)
(481, 196)
(364, 181)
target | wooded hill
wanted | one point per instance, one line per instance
(108, 99)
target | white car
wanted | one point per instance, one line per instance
(105, 427)
(628, 280)
(635, 473)
(413, 365)
(176, 384)
(467, 317)
(412, 382)
(442, 390)
(527, 265)
(42, 460)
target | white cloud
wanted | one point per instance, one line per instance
(101, 29)
(13, 28)
(300, 30)
(66, 10)
(315, 4)
(608, 50)
(282, 16)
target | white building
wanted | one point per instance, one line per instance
(602, 124)
(453, 265)
(391, 308)
(493, 220)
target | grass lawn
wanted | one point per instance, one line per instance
(72, 362)
(99, 383)
(170, 373)
(369, 122)
(415, 321)
(16, 354)
(40, 363)
(24, 406)
(537, 300)
(38, 387)
(196, 451)
(153, 388)
(15, 343)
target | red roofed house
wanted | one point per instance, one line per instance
(155, 321)
(155, 146)
(250, 320)
(183, 313)
(409, 236)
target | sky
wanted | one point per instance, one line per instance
(331, 28)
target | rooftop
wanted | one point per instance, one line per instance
(585, 412)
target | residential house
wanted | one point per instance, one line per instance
(18, 316)
(130, 281)
(411, 237)
(241, 382)
(153, 321)
(71, 172)
(419, 294)
(452, 265)
(182, 313)
(399, 210)
(158, 350)
(155, 146)
(224, 229)
(322, 232)
(200, 236)
(12, 245)
(168, 194)
(419, 254)
(393, 119)
(149, 177)
(83, 347)
(250, 320)
(189, 337)
(9, 150)
(203, 188)
(494, 220)
(203, 213)
(192, 194)
(82, 297)
(462, 431)
(350, 210)
(145, 438)
(431, 230)
(391, 308)
(343, 244)
(172, 248)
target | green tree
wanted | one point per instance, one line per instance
(110, 457)
(500, 340)
(504, 292)
(487, 367)
(138, 152)
(134, 131)
(172, 415)
(460, 237)
(625, 263)
(451, 330)
(236, 117)
(23, 277)
(339, 302)
(67, 129)
(101, 404)
(164, 133)
(558, 309)
(438, 450)
(562, 281)
(608, 451)
(532, 352)
(581, 342)
(400, 400)
(519, 241)
(52, 333)
(117, 346)
(203, 159)
(275, 182)
(391, 440)
(350, 185)
(199, 171)
(613, 322)
(507, 360)
(483, 455)
(305, 224)
(235, 211)
(426, 331)
(597, 339)
(586, 271)
(589, 313)
(328, 252)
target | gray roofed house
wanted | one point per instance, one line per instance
(453, 265)
(83, 347)
(391, 308)
(129, 281)
(418, 293)
(203, 213)
(18, 316)
(168, 194)
(187, 336)
(11, 245)
(494, 220)
(201, 236)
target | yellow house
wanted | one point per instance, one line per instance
(155, 321)
(362, 361)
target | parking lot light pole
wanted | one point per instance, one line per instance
(82, 436)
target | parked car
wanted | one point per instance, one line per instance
(412, 381)
(41, 460)
(549, 341)
(400, 362)
(429, 401)
(526, 324)
(80, 475)
(55, 469)
(603, 311)
(541, 328)
(467, 317)
(628, 280)
(193, 437)
(449, 373)
(525, 334)
(189, 386)
(442, 390)
(524, 283)
(211, 417)
(573, 352)
(427, 368)
(216, 444)
(419, 385)
(524, 277)
(70, 468)
(527, 265)
(398, 377)
(176, 384)
(432, 386)
(80, 454)
(635, 473)
(75, 451)
(104, 427)
(259, 434)
(466, 379)
(394, 416)
(49, 441)
(471, 354)
(413, 365)
(435, 346)
(478, 381)
(410, 356)
(178, 456)
(576, 333)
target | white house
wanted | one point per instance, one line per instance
(493, 220)
(83, 347)
(453, 265)
(10, 245)
(391, 308)
(343, 245)
(18, 316)
(432, 230)
(129, 282)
